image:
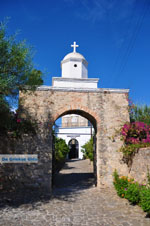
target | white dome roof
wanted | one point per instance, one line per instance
(74, 55)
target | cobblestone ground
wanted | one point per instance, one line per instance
(75, 201)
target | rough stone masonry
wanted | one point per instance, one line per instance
(107, 109)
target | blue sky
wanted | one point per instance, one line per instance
(113, 36)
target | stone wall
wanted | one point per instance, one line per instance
(114, 114)
(140, 165)
(39, 176)
(106, 109)
(26, 175)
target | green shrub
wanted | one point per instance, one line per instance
(60, 152)
(121, 184)
(130, 149)
(61, 149)
(148, 178)
(145, 199)
(140, 113)
(133, 193)
(87, 150)
(16, 127)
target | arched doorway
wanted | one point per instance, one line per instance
(73, 143)
(74, 149)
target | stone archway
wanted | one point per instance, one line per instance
(93, 118)
(106, 109)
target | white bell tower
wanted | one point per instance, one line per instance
(74, 72)
(74, 65)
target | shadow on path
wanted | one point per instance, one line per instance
(72, 179)
(76, 180)
(23, 197)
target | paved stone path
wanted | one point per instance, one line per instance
(77, 202)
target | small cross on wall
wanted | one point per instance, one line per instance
(74, 47)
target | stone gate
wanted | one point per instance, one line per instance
(106, 109)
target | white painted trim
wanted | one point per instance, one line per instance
(86, 80)
(84, 90)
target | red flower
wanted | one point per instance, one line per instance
(136, 132)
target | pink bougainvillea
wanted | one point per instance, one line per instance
(135, 133)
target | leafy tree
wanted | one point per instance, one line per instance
(5, 114)
(16, 67)
(140, 114)
(87, 150)
(16, 71)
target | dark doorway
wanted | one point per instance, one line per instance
(74, 149)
